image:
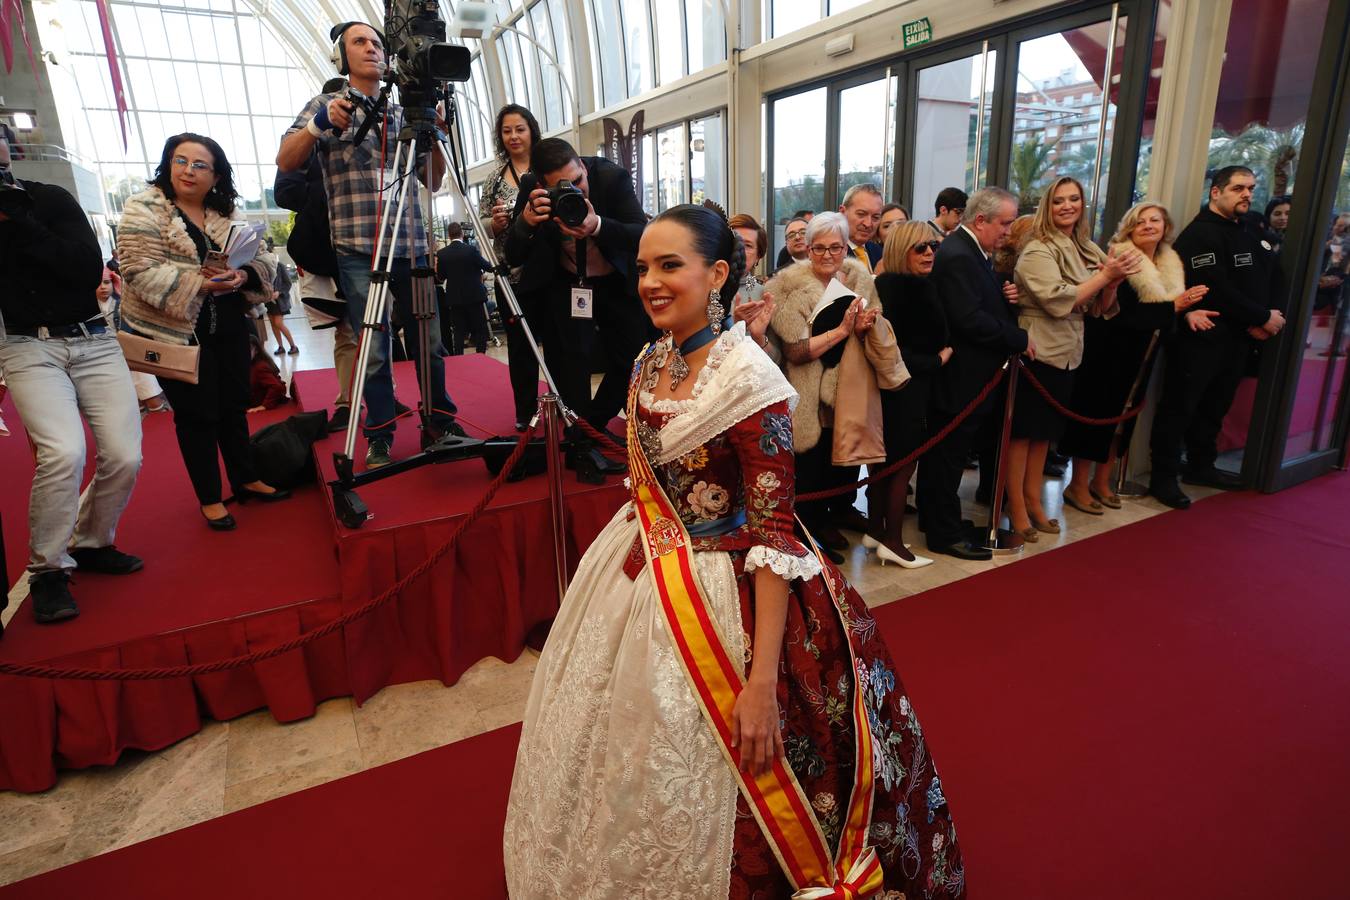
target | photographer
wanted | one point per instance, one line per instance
(60, 360)
(353, 181)
(575, 232)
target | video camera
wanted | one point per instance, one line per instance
(416, 35)
(568, 203)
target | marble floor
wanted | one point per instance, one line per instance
(228, 766)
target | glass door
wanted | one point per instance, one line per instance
(1320, 408)
(1064, 111)
(950, 110)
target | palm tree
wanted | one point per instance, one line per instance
(1269, 152)
(1027, 170)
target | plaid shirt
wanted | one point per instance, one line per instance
(352, 181)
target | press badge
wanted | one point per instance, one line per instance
(581, 303)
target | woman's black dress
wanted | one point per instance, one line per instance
(910, 303)
(1112, 352)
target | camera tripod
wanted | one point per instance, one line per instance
(417, 141)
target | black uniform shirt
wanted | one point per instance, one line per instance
(1238, 265)
(51, 262)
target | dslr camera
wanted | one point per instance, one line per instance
(568, 203)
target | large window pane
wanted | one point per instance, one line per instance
(648, 187)
(1057, 116)
(862, 136)
(789, 15)
(558, 14)
(707, 34)
(798, 157)
(638, 46)
(947, 116)
(553, 107)
(607, 53)
(707, 161)
(670, 48)
(671, 154)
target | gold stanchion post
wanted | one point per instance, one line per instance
(999, 541)
(550, 409)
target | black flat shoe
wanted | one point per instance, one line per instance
(224, 523)
(243, 495)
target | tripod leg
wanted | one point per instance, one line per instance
(377, 298)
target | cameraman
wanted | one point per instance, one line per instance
(586, 272)
(352, 180)
(60, 360)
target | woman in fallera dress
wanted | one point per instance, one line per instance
(708, 682)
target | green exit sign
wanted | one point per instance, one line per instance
(918, 32)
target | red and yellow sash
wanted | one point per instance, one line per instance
(776, 798)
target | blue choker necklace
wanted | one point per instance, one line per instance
(679, 369)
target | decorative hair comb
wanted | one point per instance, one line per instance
(715, 207)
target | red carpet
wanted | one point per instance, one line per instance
(426, 826)
(1159, 712)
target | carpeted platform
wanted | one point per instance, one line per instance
(1158, 712)
(288, 569)
(497, 586)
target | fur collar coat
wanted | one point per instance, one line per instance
(161, 272)
(796, 290)
(1160, 279)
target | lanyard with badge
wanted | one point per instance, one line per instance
(582, 305)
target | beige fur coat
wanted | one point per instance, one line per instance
(161, 274)
(796, 290)
(1159, 280)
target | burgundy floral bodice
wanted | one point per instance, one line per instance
(744, 473)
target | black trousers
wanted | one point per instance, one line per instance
(940, 471)
(1200, 378)
(608, 342)
(210, 417)
(468, 322)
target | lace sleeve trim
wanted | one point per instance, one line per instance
(783, 564)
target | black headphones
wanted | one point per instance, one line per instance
(339, 55)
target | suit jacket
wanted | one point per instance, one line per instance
(981, 322)
(873, 254)
(460, 268)
(539, 250)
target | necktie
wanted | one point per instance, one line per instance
(861, 252)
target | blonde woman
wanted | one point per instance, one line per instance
(1148, 302)
(1059, 275)
(909, 301)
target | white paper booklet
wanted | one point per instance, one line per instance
(242, 244)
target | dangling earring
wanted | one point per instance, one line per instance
(716, 313)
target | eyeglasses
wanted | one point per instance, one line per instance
(928, 246)
(795, 234)
(822, 250)
(196, 165)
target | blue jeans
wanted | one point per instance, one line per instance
(354, 282)
(55, 382)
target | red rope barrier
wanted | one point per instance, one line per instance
(235, 662)
(604, 439)
(1068, 413)
(923, 448)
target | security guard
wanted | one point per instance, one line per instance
(1221, 249)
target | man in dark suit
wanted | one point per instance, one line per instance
(460, 269)
(862, 207)
(983, 335)
(587, 275)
